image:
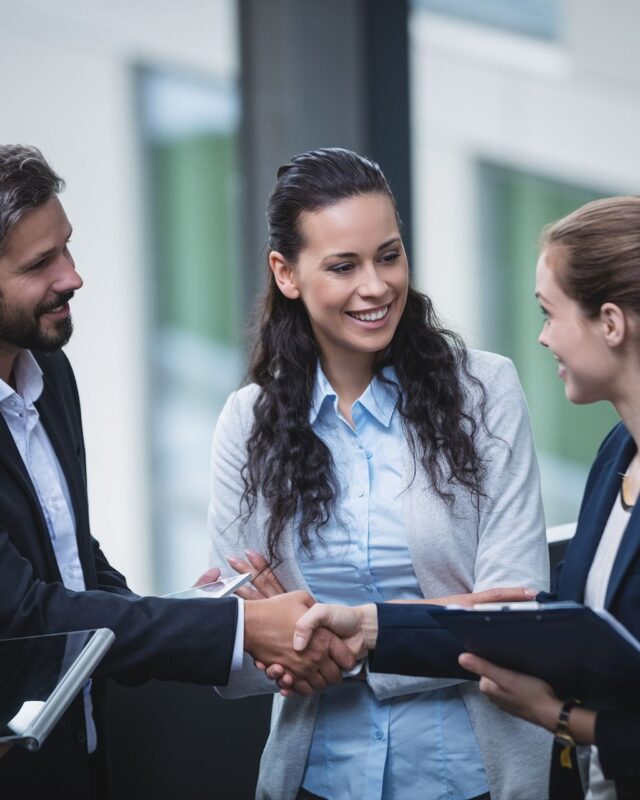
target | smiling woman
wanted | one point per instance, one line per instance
(373, 457)
(352, 277)
(588, 285)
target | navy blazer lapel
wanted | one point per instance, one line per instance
(592, 521)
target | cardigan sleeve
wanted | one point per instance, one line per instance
(226, 525)
(512, 545)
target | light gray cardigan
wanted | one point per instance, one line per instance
(453, 551)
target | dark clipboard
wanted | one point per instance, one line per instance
(584, 654)
(40, 676)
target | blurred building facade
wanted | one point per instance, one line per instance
(521, 112)
(130, 101)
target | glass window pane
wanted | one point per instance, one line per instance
(567, 436)
(190, 130)
(539, 18)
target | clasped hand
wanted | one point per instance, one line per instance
(327, 639)
(270, 618)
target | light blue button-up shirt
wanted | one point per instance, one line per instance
(22, 418)
(420, 747)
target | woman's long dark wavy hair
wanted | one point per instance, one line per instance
(287, 463)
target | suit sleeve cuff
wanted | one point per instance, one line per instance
(238, 645)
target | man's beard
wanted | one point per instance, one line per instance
(22, 329)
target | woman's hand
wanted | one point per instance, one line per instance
(521, 695)
(529, 698)
(210, 576)
(513, 594)
(263, 583)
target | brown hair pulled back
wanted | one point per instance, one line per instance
(601, 248)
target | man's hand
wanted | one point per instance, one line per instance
(268, 635)
(356, 626)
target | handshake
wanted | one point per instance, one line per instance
(304, 645)
(301, 644)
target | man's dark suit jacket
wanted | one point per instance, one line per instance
(186, 640)
(408, 641)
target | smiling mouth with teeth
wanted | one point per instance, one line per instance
(370, 316)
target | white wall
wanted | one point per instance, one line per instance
(68, 88)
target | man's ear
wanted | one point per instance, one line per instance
(283, 275)
(615, 325)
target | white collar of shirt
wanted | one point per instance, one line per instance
(28, 380)
(379, 398)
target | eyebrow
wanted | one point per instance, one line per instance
(539, 296)
(355, 255)
(45, 253)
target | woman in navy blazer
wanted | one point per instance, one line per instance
(588, 286)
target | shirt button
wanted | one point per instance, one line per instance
(360, 492)
(369, 454)
(368, 588)
(379, 736)
(69, 572)
(361, 546)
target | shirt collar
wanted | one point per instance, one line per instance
(322, 390)
(28, 379)
(379, 398)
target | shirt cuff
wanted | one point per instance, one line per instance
(238, 645)
(353, 673)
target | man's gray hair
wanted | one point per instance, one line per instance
(26, 182)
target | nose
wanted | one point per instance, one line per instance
(67, 278)
(542, 338)
(371, 284)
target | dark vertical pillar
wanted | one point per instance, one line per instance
(387, 113)
(319, 74)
